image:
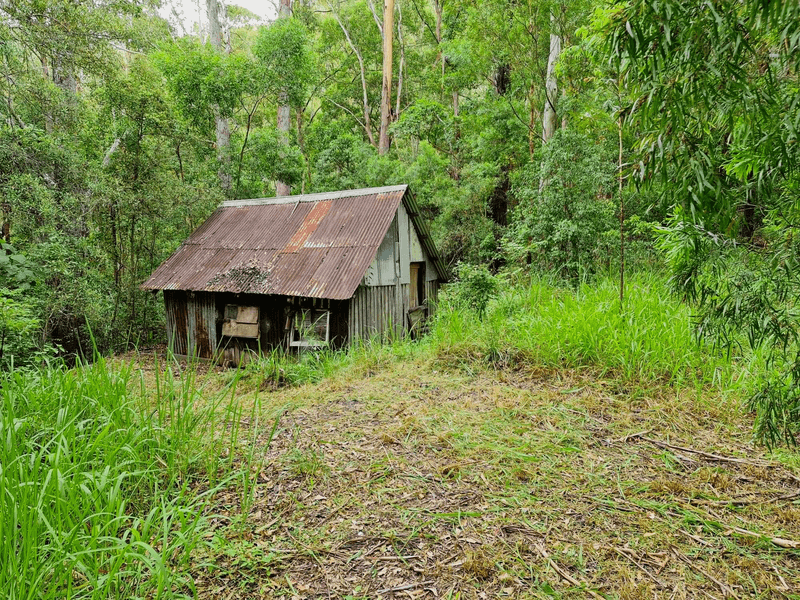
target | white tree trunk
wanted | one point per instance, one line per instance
(367, 124)
(223, 131)
(550, 118)
(386, 88)
(402, 64)
(281, 188)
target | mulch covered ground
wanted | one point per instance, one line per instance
(428, 481)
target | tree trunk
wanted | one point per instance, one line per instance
(533, 116)
(386, 88)
(402, 64)
(284, 118)
(6, 229)
(502, 79)
(223, 132)
(550, 119)
(438, 9)
(367, 124)
(498, 201)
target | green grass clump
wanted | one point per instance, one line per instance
(540, 322)
(96, 497)
(543, 324)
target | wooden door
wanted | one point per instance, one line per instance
(413, 293)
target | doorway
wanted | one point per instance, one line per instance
(417, 291)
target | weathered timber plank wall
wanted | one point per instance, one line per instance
(204, 308)
(175, 305)
(191, 323)
(377, 310)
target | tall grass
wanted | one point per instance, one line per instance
(541, 323)
(96, 495)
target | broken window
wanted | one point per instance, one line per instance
(240, 321)
(309, 328)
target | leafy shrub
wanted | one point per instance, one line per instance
(19, 327)
(475, 287)
(564, 205)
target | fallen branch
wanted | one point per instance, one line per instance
(780, 542)
(707, 455)
(408, 586)
(566, 576)
(745, 501)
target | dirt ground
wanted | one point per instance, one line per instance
(423, 480)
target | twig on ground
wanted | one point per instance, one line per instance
(630, 436)
(708, 455)
(408, 586)
(566, 576)
(624, 554)
(780, 578)
(724, 588)
(697, 539)
(336, 511)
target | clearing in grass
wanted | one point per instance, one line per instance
(554, 448)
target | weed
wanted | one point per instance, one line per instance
(98, 494)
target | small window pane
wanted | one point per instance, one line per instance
(310, 328)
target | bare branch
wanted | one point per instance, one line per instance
(375, 16)
(366, 123)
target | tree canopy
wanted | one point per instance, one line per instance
(537, 135)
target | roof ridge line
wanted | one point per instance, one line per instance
(315, 197)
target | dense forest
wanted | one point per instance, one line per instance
(578, 137)
(605, 402)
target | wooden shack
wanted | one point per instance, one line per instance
(313, 270)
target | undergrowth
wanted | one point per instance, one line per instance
(539, 323)
(103, 495)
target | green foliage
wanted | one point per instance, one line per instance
(718, 101)
(201, 79)
(20, 331)
(475, 287)
(716, 75)
(746, 297)
(95, 494)
(15, 268)
(267, 159)
(564, 205)
(284, 62)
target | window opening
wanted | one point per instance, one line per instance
(310, 328)
(417, 288)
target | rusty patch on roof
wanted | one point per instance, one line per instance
(309, 225)
(316, 246)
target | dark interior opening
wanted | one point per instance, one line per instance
(417, 292)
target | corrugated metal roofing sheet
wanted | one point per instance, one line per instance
(313, 245)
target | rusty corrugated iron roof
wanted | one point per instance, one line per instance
(312, 245)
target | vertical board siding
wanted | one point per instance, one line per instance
(201, 312)
(206, 317)
(177, 322)
(377, 310)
